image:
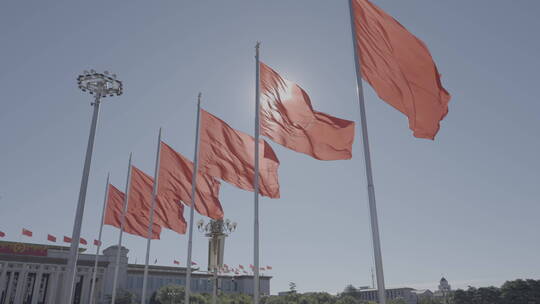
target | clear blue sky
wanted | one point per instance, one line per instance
(466, 205)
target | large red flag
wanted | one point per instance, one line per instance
(167, 213)
(134, 224)
(2, 234)
(288, 118)
(228, 154)
(175, 180)
(400, 68)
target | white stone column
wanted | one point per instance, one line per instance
(52, 287)
(3, 276)
(85, 291)
(23, 275)
(37, 285)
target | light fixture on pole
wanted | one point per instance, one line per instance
(100, 85)
(216, 231)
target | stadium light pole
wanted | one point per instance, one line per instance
(100, 85)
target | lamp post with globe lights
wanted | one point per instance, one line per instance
(216, 231)
(100, 85)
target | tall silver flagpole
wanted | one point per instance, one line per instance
(151, 225)
(256, 283)
(367, 162)
(100, 85)
(94, 274)
(122, 223)
(192, 207)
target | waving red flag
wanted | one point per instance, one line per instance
(176, 262)
(26, 232)
(288, 118)
(175, 180)
(83, 241)
(400, 68)
(67, 239)
(2, 234)
(241, 267)
(97, 243)
(51, 238)
(167, 213)
(228, 154)
(135, 224)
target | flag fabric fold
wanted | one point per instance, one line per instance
(400, 69)
(175, 183)
(228, 154)
(167, 213)
(134, 223)
(288, 118)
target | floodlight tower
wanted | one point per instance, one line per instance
(216, 231)
(100, 85)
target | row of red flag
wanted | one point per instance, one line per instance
(393, 61)
(52, 238)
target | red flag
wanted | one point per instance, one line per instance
(251, 266)
(175, 180)
(135, 223)
(176, 262)
(83, 241)
(193, 263)
(241, 267)
(51, 238)
(269, 267)
(26, 232)
(228, 154)
(67, 239)
(400, 68)
(97, 243)
(167, 213)
(2, 234)
(288, 118)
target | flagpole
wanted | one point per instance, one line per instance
(94, 274)
(192, 207)
(256, 287)
(367, 162)
(122, 223)
(151, 225)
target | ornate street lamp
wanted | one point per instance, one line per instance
(100, 85)
(216, 231)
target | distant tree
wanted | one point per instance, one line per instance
(122, 297)
(461, 296)
(520, 292)
(397, 301)
(428, 300)
(487, 295)
(347, 299)
(170, 294)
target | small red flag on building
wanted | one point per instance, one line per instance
(26, 232)
(241, 267)
(67, 239)
(97, 243)
(83, 241)
(176, 262)
(2, 234)
(269, 267)
(251, 266)
(193, 263)
(51, 238)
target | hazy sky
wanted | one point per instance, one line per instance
(466, 205)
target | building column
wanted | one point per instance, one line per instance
(3, 276)
(23, 275)
(52, 287)
(37, 285)
(85, 292)
(9, 289)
